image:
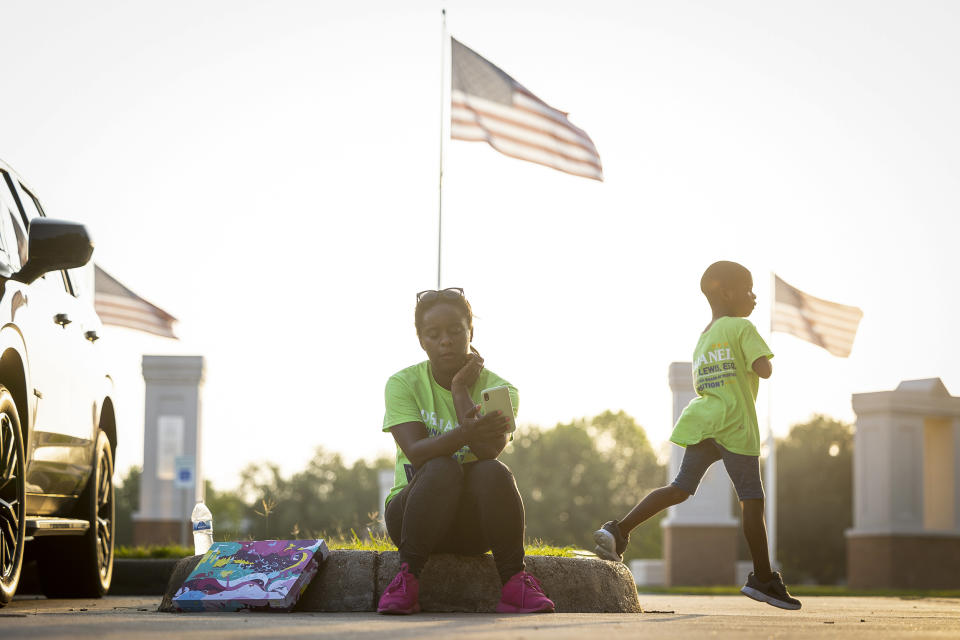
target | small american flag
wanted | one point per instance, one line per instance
(490, 106)
(119, 306)
(826, 324)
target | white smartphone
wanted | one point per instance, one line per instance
(498, 399)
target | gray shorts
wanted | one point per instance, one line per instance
(744, 471)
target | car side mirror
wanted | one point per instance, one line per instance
(53, 245)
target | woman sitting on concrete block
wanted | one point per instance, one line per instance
(451, 494)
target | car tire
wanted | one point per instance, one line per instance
(82, 566)
(12, 497)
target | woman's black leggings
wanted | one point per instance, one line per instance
(464, 509)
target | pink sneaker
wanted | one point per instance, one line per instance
(523, 594)
(402, 595)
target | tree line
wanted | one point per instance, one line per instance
(572, 478)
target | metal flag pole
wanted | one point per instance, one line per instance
(444, 101)
(771, 464)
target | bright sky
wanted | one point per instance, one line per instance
(267, 172)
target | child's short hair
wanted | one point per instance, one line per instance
(721, 276)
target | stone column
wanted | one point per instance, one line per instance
(171, 432)
(699, 535)
(906, 488)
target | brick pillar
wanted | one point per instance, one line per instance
(171, 434)
(906, 488)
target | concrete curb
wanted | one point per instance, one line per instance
(177, 577)
(141, 576)
(354, 580)
(131, 577)
(345, 582)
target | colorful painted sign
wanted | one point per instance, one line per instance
(258, 574)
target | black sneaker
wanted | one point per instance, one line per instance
(610, 544)
(773, 592)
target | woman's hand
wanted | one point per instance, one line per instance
(467, 376)
(486, 436)
(485, 431)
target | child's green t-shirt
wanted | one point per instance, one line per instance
(726, 386)
(412, 395)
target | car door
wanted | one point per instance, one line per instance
(60, 450)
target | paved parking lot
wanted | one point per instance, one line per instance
(673, 616)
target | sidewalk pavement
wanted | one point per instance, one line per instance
(667, 616)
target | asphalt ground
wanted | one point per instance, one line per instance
(673, 616)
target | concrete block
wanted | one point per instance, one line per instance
(586, 585)
(467, 584)
(181, 571)
(354, 580)
(345, 582)
(471, 584)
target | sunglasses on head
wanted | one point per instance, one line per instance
(450, 293)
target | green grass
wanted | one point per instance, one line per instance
(383, 543)
(811, 590)
(355, 543)
(540, 548)
(153, 551)
(352, 541)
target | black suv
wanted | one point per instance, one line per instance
(58, 432)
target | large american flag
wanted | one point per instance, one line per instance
(119, 306)
(489, 106)
(826, 324)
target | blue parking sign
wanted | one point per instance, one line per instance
(184, 472)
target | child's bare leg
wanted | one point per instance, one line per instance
(655, 502)
(755, 530)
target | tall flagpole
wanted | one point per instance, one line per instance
(771, 465)
(443, 107)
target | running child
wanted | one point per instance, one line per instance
(719, 424)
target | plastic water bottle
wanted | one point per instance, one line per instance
(202, 528)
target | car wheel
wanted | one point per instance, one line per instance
(12, 497)
(82, 566)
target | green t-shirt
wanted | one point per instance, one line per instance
(726, 386)
(412, 395)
